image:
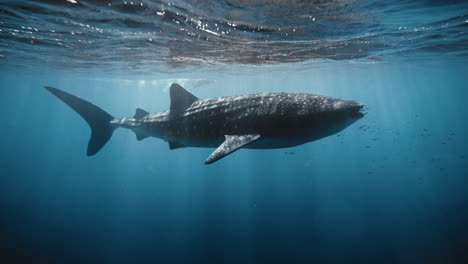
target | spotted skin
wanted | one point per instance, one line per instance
(266, 120)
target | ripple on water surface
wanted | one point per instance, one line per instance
(135, 35)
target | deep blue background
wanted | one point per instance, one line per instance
(389, 189)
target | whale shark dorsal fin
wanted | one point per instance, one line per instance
(140, 113)
(181, 99)
(231, 144)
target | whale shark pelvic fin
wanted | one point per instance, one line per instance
(231, 144)
(139, 135)
(175, 145)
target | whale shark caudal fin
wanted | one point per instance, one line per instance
(231, 144)
(97, 119)
(181, 99)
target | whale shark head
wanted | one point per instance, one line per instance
(327, 116)
(349, 108)
(342, 114)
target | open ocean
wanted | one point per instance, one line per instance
(390, 188)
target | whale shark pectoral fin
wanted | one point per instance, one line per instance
(140, 113)
(181, 99)
(231, 144)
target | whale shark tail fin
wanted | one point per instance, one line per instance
(97, 119)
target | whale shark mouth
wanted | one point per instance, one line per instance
(362, 111)
(357, 111)
(357, 107)
(359, 114)
(351, 106)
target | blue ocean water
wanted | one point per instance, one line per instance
(391, 188)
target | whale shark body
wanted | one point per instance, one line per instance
(262, 121)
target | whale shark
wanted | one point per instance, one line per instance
(254, 121)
